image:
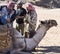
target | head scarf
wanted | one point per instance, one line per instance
(19, 3)
(11, 4)
(30, 6)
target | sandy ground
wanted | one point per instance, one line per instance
(50, 44)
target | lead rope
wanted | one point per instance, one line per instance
(25, 44)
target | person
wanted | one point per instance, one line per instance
(7, 17)
(21, 13)
(8, 14)
(31, 19)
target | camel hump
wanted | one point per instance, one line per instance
(49, 23)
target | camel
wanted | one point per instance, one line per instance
(28, 44)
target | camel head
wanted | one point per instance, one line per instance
(48, 23)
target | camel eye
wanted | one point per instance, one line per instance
(42, 22)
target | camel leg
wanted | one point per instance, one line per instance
(18, 41)
(21, 52)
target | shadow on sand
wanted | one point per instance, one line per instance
(42, 50)
(48, 49)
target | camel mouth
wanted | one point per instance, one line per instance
(53, 22)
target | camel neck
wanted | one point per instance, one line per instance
(40, 33)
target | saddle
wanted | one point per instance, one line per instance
(5, 38)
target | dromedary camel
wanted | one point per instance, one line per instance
(29, 44)
(20, 43)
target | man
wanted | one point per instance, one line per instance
(7, 17)
(32, 19)
(8, 14)
(21, 13)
